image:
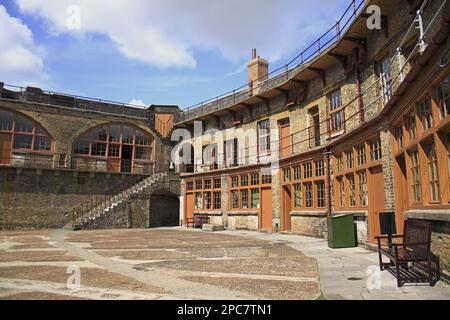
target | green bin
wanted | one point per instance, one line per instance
(341, 231)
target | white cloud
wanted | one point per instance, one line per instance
(138, 103)
(164, 33)
(21, 59)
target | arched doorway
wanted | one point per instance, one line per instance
(164, 209)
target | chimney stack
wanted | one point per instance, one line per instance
(258, 70)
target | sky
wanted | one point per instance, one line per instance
(148, 52)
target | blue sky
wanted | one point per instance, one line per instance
(159, 51)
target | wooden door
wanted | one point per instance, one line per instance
(376, 201)
(5, 148)
(285, 138)
(266, 214)
(189, 206)
(287, 208)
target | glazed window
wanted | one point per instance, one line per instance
(234, 181)
(266, 178)
(207, 184)
(433, 175)
(363, 195)
(254, 179)
(208, 203)
(190, 186)
(399, 136)
(24, 134)
(386, 78)
(412, 128)
(336, 111)
(297, 173)
(244, 199)
(340, 164)
(198, 184)
(351, 190)
(320, 168)
(308, 195)
(349, 157)
(443, 95)
(109, 141)
(307, 170)
(425, 114)
(415, 176)
(217, 200)
(263, 137)
(341, 187)
(217, 184)
(297, 195)
(231, 152)
(375, 150)
(361, 155)
(235, 199)
(254, 198)
(287, 174)
(198, 201)
(320, 194)
(244, 180)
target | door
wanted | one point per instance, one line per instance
(287, 208)
(127, 156)
(189, 206)
(285, 138)
(376, 201)
(5, 148)
(266, 214)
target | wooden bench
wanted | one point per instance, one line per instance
(414, 249)
(197, 221)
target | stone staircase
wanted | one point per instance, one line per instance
(88, 216)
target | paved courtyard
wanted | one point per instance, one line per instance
(189, 264)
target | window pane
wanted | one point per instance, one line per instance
(23, 125)
(42, 143)
(99, 134)
(81, 147)
(98, 149)
(127, 135)
(142, 139)
(143, 153)
(255, 198)
(22, 141)
(114, 150)
(6, 120)
(114, 133)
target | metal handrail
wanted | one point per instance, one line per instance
(306, 56)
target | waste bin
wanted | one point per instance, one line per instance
(341, 231)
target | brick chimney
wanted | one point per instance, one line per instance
(258, 70)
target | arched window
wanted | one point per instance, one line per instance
(17, 132)
(121, 145)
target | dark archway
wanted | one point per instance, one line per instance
(164, 209)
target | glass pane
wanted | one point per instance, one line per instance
(113, 150)
(114, 133)
(6, 120)
(42, 143)
(23, 125)
(98, 149)
(143, 153)
(81, 147)
(22, 141)
(40, 131)
(100, 134)
(127, 135)
(142, 139)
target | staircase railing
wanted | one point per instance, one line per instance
(99, 203)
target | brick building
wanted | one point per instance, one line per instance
(357, 123)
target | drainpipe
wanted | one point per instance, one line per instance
(358, 87)
(326, 156)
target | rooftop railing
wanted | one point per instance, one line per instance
(279, 75)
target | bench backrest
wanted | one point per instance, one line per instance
(417, 235)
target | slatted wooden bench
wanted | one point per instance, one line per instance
(197, 221)
(414, 249)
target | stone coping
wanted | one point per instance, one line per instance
(318, 214)
(434, 215)
(354, 213)
(243, 213)
(208, 213)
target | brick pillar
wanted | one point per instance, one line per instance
(387, 164)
